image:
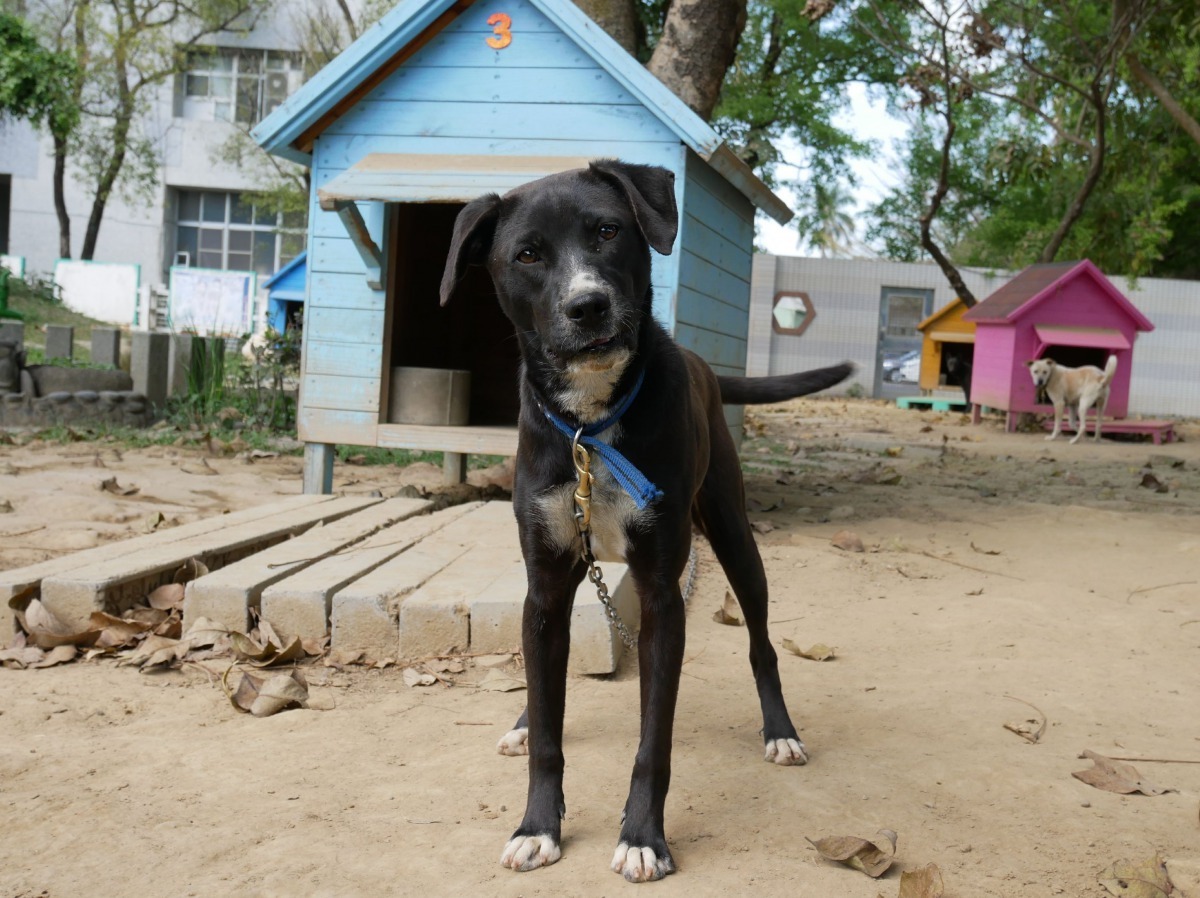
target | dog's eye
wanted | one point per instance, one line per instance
(608, 231)
(528, 256)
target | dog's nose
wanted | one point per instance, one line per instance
(588, 309)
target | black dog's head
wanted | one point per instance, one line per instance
(569, 258)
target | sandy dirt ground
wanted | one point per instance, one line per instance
(998, 570)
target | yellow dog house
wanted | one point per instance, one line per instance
(947, 349)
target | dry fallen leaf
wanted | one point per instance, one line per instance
(501, 681)
(728, 612)
(1030, 729)
(1150, 482)
(47, 631)
(60, 654)
(1113, 776)
(847, 541)
(872, 858)
(167, 597)
(985, 551)
(414, 677)
(819, 652)
(924, 882)
(264, 696)
(762, 527)
(1147, 879)
(116, 632)
(20, 655)
(111, 486)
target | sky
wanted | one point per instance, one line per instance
(867, 120)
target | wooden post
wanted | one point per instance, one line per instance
(318, 468)
(454, 467)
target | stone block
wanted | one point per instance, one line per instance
(13, 332)
(60, 341)
(179, 361)
(106, 346)
(150, 366)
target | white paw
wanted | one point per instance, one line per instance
(525, 853)
(1052, 436)
(514, 742)
(640, 864)
(786, 752)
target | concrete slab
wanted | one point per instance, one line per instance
(26, 581)
(123, 578)
(228, 595)
(301, 605)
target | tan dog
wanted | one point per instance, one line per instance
(1076, 388)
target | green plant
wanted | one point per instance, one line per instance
(856, 391)
(206, 376)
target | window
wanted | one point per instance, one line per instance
(792, 313)
(220, 230)
(242, 86)
(904, 311)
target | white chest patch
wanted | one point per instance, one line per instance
(614, 514)
(590, 384)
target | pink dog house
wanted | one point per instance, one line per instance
(1067, 311)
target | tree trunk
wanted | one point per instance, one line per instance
(697, 47)
(1095, 170)
(1164, 97)
(60, 200)
(104, 188)
(618, 18)
(961, 290)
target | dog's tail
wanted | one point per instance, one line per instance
(1110, 368)
(759, 390)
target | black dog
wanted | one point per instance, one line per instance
(568, 255)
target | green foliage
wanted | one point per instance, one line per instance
(206, 376)
(781, 96)
(36, 84)
(1043, 102)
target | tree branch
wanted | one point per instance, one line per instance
(943, 186)
(1164, 96)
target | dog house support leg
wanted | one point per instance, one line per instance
(454, 467)
(360, 236)
(318, 468)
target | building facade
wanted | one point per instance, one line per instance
(197, 214)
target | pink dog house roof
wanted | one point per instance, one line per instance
(1037, 283)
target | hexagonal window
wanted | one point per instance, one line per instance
(792, 313)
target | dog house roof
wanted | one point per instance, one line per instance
(1038, 283)
(291, 129)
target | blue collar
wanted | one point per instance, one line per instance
(633, 481)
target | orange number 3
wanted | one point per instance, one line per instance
(501, 24)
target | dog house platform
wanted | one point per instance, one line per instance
(441, 102)
(384, 578)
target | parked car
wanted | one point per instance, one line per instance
(902, 368)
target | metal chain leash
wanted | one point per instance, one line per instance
(583, 523)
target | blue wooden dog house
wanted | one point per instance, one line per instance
(286, 290)
(444, 100)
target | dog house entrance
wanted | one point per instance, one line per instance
(1078, 346)
(470, 333)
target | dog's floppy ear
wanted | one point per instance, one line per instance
(650, 190)
(473, 232)
(1029, 364)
